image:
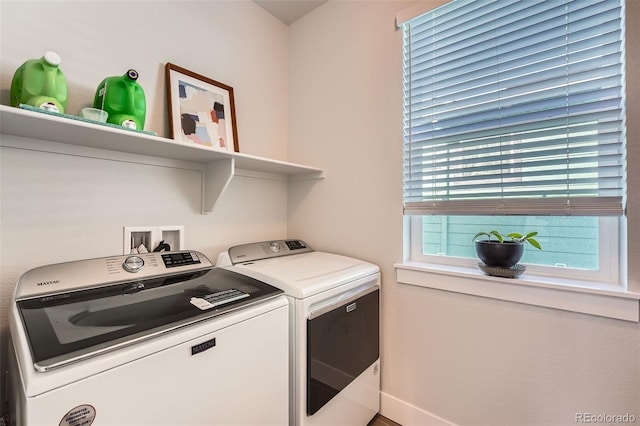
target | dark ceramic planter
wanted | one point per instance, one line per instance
(494, 253)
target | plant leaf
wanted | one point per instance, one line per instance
(497, 234)
(534, 243)
(480, 234)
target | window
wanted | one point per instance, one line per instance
(576, 247)
(514, 119)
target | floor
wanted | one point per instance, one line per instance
(380, 420)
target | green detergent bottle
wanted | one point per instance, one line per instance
(123, 98)
(41, 84)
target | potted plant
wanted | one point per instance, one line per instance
(503, 251)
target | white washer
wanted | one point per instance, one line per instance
(334, 328)
(147, 340)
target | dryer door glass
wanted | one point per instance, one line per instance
(341, 344)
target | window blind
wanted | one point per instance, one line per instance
(515, 107)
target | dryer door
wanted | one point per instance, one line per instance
(342, 341)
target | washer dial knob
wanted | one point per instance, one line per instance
(133, 264)
(274, 246)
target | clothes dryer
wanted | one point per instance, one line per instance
(334, 328)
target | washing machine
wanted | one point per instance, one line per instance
(334, 327)
(151, 339)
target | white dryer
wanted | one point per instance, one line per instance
(334, 328)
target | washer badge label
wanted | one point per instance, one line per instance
(82, 415)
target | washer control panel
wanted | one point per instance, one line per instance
(266, 249)
(90, 273)
(171, 260)
(133, 264)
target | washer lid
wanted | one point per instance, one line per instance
(67, 327)
(306, 274)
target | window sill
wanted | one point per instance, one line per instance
(605, 301)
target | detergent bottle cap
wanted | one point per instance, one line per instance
(132, 74)
(52, 58)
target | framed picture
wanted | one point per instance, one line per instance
(201, 110)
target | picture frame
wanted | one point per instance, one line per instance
(201, 110)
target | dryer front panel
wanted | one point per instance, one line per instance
(342, 342)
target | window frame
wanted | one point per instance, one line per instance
(604, 296)
(609, 272)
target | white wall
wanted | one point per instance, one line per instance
(465, 359)
(57, 207)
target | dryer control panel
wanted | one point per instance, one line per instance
(266, 249)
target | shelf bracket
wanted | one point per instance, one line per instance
(216, 178)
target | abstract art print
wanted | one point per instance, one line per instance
(201, 110)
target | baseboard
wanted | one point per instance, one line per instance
(408, 415)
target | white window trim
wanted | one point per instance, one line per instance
(531, 290)
(604, 296)
(602, 299)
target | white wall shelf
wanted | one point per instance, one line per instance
(220, 166)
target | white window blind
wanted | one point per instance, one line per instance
(515, 107)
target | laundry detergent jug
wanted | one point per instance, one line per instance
(41, 84)
(123, 98)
